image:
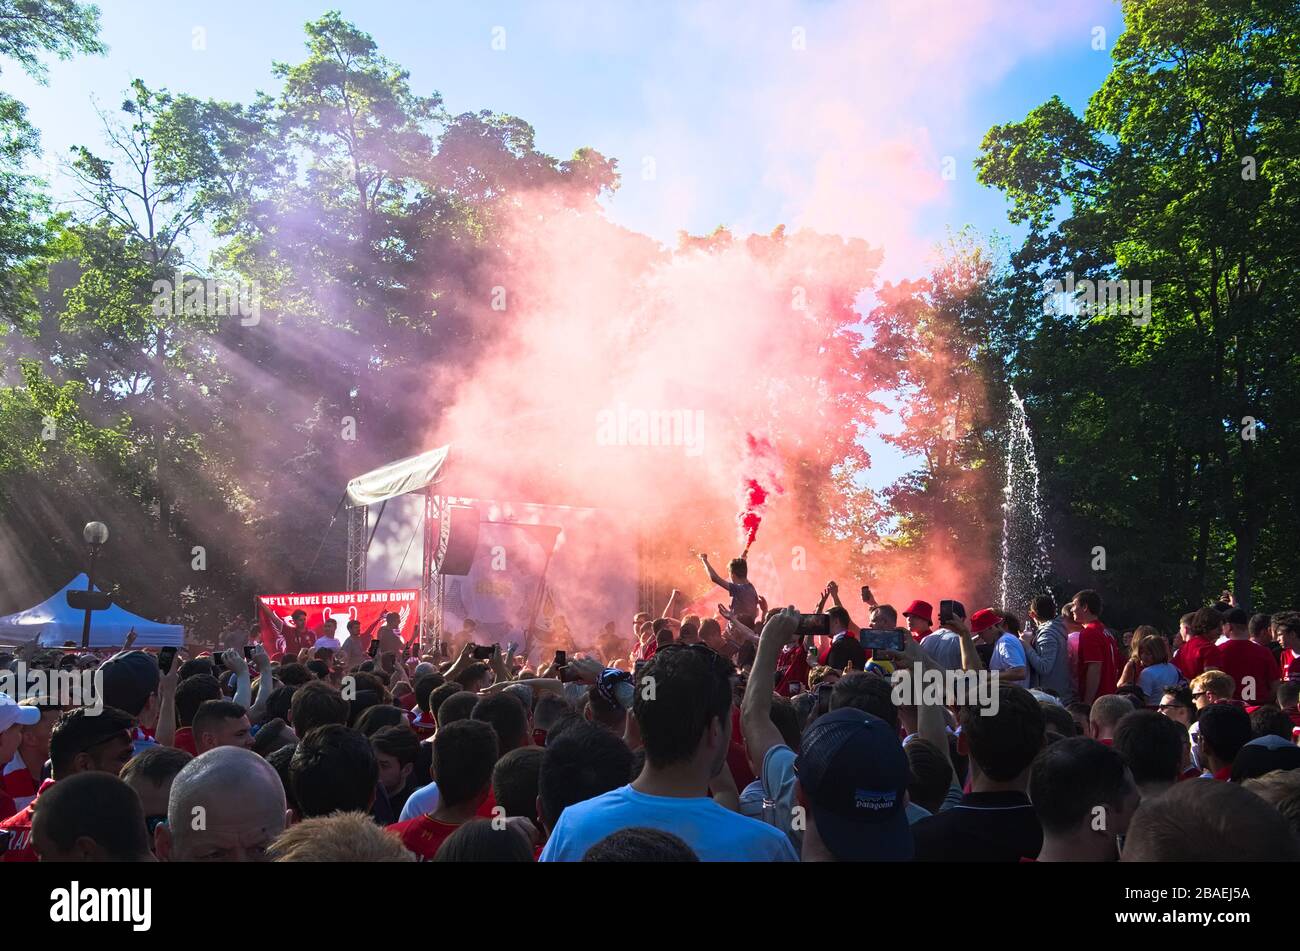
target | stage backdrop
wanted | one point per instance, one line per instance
(504, 586)
(343, 606)
(591, 579)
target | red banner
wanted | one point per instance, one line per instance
(369, 607)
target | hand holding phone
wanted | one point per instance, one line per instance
(884, 640)
(483, 651)
(561, 667)
(814, 625)
(166, 657)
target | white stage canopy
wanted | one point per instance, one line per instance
(397, 478)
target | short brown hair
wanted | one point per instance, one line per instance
(1289, 620)
(342, 837)
(1208, 822)
(317, 704)
(1206, 623)
(1157, 645)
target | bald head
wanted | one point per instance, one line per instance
(225, 806)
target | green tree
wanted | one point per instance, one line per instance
(1182, 172)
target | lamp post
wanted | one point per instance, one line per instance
(95, 534)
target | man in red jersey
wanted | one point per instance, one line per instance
(1098, 653)
(1251, 666)
(82, 741)
(1199, 654)
(464, 754)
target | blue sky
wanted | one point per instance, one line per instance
(837, 116)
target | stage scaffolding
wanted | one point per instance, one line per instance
(433, 586)
(358, 525)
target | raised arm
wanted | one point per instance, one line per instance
(668, 608)
(243, 685)
(970, 658)
(165, 730)
(265, 684)
(276, 624)
(930, 722)
(713, 575)
(756, 723)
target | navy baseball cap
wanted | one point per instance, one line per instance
(854, 774)
(129, 678)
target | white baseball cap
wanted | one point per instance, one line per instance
(11, 713)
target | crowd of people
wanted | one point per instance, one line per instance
(753, 734)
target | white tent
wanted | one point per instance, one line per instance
(55, 623)
(397, 478)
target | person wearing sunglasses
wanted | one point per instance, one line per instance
(150, 774)
(1211, 687)
(1177, 705)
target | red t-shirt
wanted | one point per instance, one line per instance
(1197, 656)
(423, 835)
(18, 784)
(1288, 659)
(737, 757)
(1097, 647)
(184, 740)
(20, 845)
(1240, 659)
(793, 668)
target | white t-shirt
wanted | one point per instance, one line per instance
(1008, 653)
(715, 833)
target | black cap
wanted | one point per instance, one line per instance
(1263, 755)
(854, 774)
(130, 678)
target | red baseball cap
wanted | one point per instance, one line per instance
(922, 609)
(984, 619)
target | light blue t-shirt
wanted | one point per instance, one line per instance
(1156, 679)
(715, 833)
(1009, 653)
(421, 802)
(778, 781)
(944, 647)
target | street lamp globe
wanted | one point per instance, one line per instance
(95, 533)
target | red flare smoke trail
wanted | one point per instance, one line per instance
(754, 496)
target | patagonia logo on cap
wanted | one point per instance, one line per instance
(874, 801)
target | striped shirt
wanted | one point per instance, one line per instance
(18, 782)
